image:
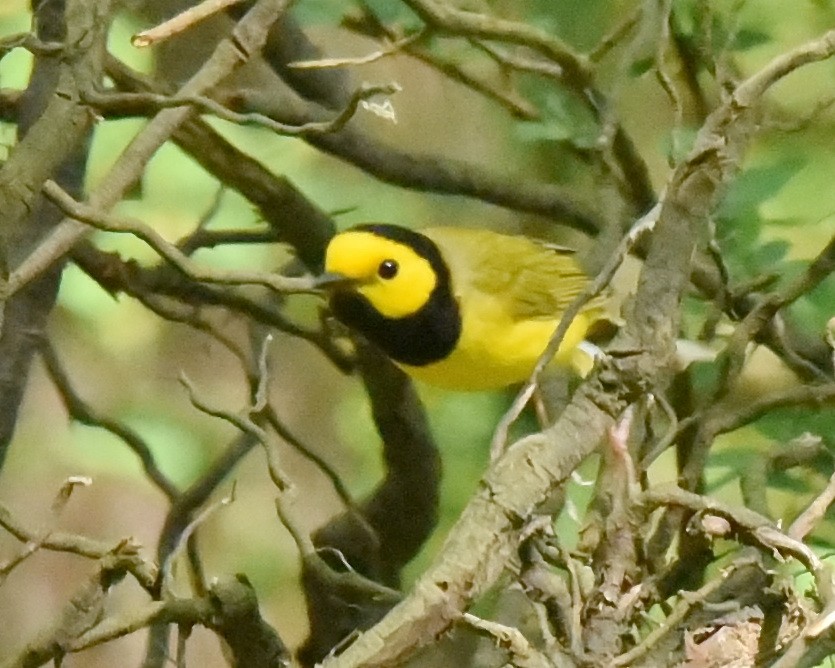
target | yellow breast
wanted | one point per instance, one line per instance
(495, 350)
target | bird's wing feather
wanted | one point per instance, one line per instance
(537, 280)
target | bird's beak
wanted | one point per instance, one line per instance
(331, 280)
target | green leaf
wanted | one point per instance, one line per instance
(563, 119)
(755, 186)
(797, 480)
(748, 39)
(773, 252)
(534, 131)
(783, 425)
(813, 310)
(641, 66)
(739, 225)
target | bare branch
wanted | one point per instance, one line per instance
(147, 103)
(390, 48)
(519, 649)
(813, 514)
(246, 39)
(126, 552)
(679, 613)
(84, 413)
(592, 290)
(458, 22)
(92, 216)
(620, 32)
(535, 466)
(181, 22)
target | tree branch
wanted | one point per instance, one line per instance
(533, 467)
(247, 37)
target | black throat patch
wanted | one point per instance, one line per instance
(426, 336)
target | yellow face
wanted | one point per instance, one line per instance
(393, 277)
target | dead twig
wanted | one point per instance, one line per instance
(182, 22)
(90, 215)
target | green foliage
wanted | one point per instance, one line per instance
(816, 308)
(748, 39)
(739, 225)
(564, 119)
(783, 425)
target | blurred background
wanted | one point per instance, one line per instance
(126, 362)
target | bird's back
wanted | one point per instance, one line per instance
(532, 279)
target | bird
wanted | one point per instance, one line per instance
(461, 309)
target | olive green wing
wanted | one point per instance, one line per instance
(538, 281)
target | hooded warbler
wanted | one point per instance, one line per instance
(463, 309)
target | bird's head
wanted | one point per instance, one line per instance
(393, 268)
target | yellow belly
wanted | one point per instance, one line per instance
(495, 352)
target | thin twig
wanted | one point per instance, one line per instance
(390, 48)
(175, 297)
(510, 639)
(617, 35)
(58, 541)
(191, 611)
(592, 290)
(167, 567)
(30, 42)
(327, 470)
(201, 238)
(247, 38)
(669, 434)
(369, 24)
(154, 101)
(516, 62)
(663, 76)
(450, 19)
(814, 512)
(245, 422)
(84, 413)
(502, 430)
(7, 566)
(89, 215)
(182, 22)
(679, 613)
(730, 415)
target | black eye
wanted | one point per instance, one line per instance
(387, 269)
